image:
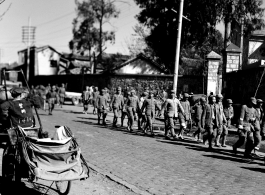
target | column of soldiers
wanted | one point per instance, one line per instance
(212, 118)
(50, 94)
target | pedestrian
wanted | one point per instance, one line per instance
(257, 129)
(61, 93)
(116, 105)
(171, 108)
(51, 97)
(184, 118)
(221, 131)
(86, 96)
(211, 121)
(95, 94)
(102, 105)
(132, 109)
(149, 106)
(198, 118)
(248, 116)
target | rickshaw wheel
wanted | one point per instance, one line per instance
(10, 164)
(63, 187)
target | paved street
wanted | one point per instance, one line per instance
(157, 166)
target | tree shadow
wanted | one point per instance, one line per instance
(72, 112)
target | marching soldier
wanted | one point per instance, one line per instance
(149, 107)
(132, 109)
(221, 129)
(86, 95)
(61, 93)
(51, 98)
(184, 118)
(95, 94)
(229, 114)
(248, 117)
(171, 108)
(124, 108)
(116, 105)
(101, 105)
(211, 121)
(198, 116)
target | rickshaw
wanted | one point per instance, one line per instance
(27, 154)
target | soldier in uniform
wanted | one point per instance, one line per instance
(61, 93)
(142, 116)
(116, 105)
(149, 107)
(221, 130)
(198, 116)
(132, 109)
(247, 120)
(171, 107)
(19, 110)
(95, 94)
(124, 108)
(211, 121)
(184, 118)
(229, 114)
(51, 98)
(101, 105)
(86, 96)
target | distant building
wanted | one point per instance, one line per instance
(140, 64)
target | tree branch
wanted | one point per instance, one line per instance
(6, 9)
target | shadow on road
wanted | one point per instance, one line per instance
(222, 154)
(8, 188)
(257, 169)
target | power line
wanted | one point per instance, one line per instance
(55, 19)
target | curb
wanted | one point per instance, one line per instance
(118, 180)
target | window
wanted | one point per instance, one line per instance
(54, 63)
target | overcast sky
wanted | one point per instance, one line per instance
(53, 22)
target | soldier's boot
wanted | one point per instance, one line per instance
(223, 141)
(98, 120)
(114, 121)
(50, 111)
(152, 131)
(104, 119)
(217, 141)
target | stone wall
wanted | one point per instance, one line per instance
(76, 83)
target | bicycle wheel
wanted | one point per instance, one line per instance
(10, 164)
(63, 187)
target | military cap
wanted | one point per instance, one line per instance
(119, 88)
(133, 91)
(202, 99)
(151, 92)
(186, 95)
(145, 93)
(253, 100)
(219, 96)
(229, 101)
(53, 87)
(172, 91)
(17, 90)
(259, 101)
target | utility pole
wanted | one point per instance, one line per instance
(28, 37)
(175, 83)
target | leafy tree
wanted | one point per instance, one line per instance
(88, 33)
(203, 14)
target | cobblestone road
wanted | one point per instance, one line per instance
(158, 166)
